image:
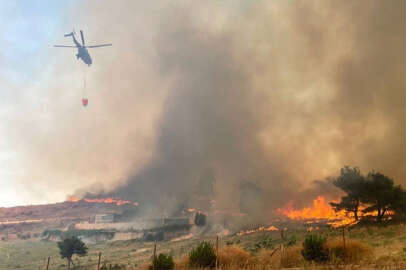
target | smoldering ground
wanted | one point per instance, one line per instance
(267, 94)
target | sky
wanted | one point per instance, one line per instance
(28, 29)
(50, 145)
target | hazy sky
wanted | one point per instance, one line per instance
(28, 29)
(50, 145)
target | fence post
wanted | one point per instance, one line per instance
(217, 251)
(98, 263)
(154, 257)
(344, 245)
(48, 262)
(282, 247)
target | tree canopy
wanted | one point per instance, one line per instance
(381, 195)
(352, 182)
(71, 246)
(376, 193)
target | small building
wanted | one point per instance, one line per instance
(104, 218)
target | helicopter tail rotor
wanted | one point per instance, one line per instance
(71, 33)
(83, 39)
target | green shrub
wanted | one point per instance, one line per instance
(200, 219)
(162, 262)
(291, 241)
(203, 255)
(314, 248)
(153, 236)
(265, 243)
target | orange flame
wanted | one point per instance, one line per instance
(109, 200)
(319, 210)
(72, 199)
(260, 229)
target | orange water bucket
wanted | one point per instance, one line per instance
(85, 101)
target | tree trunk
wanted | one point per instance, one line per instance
(356, 207)
(356, 214)
(380, 215)
(383, 213)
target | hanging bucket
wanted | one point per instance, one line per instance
(84, 102)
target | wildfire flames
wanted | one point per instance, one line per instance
(260, 229)
(118, 202)
(72, 199)
(320, 210)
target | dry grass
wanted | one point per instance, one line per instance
(292, 257)
(267, 258)
(143, 267)
(182, 263)
(367, 248)
(230, 257)
(390, 262)
(355, 251)
(233, 256)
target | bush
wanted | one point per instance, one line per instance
(153, 236)
(291, 241)
(265, 243)
(203, 255)
(200, 219)
(314, 248)
(23, 236)
(355, 251)
(162, 262)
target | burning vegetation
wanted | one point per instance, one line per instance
(371, 197)
(260, 229)
(109, 200)
(320, 210)
(365, 197)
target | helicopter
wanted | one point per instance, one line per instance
(82, 48)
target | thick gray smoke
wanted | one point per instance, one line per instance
(245, 102)
(280, 94)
